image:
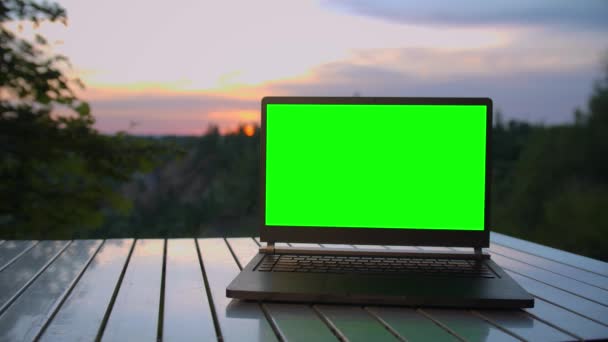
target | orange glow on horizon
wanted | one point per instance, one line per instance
(249, 130)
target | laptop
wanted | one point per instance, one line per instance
(340, 173)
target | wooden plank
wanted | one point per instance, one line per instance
(403, 327)
(511, 321)
(593, 330)
(80, 316)
(567, 258)
(187, 315)
(581, 327)
(354, 323)
(568, 321)
(572, 302)
(26, 316)
(587, 277)
(568, 284)
(571, 321)
(412, 325)
(238, 320)
(244, 249)
(342, 318)
(134, 315)
(22, 272)
(12, 250)
(524, 325)
(296, 322)
(468, 326)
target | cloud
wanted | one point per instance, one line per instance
(537, 94)
(590, 14)
(534, 94)
(184, 66)
(206, 45)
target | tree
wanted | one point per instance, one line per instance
(58, 174)
(557, 191)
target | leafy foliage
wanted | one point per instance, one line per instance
(56, 171)
(556, 192)
(212, 190)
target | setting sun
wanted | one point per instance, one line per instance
(249, 130)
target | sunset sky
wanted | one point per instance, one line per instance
(174, 67)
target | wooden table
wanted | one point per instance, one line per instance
(143, 290)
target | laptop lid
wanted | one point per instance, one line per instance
(362, 170)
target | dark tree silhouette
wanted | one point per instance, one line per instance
(57, 173)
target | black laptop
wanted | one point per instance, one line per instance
(376, 171)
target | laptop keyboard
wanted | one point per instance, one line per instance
(374, 264)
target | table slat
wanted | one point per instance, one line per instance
(534, 328)
(297, 322)
(38, 276)
(134, 315)
(238, 320)
(568, 320)
(524, 325)
(187, 315)
(12, 250)
(477, 324)
(340, 320)
(468, 326)
(564, 257)
(244, 249)
(21, 272)
(562, 298)
(412, 325)
(443, 249)
(355, 324)
(80, 316)
(568, 284)
(556, 267)
(26, 316)
(344, 317)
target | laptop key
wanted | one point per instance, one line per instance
(373, 265)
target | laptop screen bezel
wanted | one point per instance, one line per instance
(377, 236)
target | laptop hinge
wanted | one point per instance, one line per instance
(271, 249)
(268, 249)
(478, 252)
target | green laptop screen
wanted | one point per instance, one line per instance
(375, 166)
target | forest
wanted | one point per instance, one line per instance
(550, 185)
(60, 178)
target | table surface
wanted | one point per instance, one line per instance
(174, 290)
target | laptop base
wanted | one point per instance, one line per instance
(438, 290)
